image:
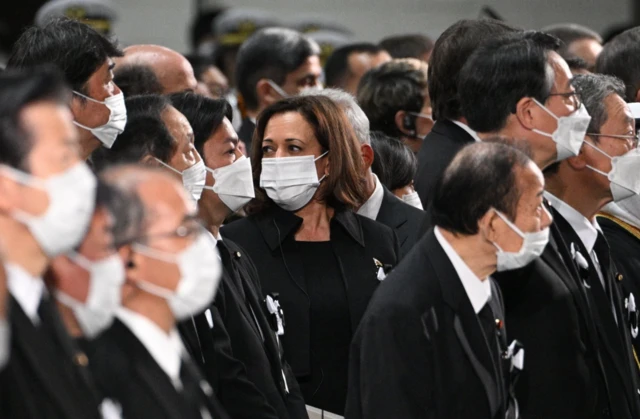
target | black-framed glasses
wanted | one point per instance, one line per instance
(573, 96)
(633, 139)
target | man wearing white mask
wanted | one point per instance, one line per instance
(519, 87)
(86, 59)
(172, 273)
(247, 347)
(46, 203)
(606, 169)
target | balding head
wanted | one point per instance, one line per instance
(173, 71)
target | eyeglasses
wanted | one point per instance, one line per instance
(572, 96)
(632, 139)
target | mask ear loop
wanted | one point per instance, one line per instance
(602, 152)
(167, 166)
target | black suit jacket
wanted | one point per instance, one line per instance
(438, 149)
(621, 371)
(246, 132)
(404, 219)
(420, 351)
(356, 241)
(128, 375)
(45, 377)
(241, 355)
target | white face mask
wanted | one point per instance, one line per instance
(71, 202)
(105, 288)
(199, 276)
(533, 244)
(412, 199)
(624, 176)
(569, 135)
(108, 132)
(234, 183)
(290, 182)
(193, 178)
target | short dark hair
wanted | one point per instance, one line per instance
(204, 114)
(270, 53)
(394, 163)
(336, 70)
(19, 89)
(594, 89)
(576, 63)
(200, 64)
(449, 54)
(394, 86)
(569, 33)
(619, 57)
(500, 73)
(480, 177)
(127, 211)
(145, 134)
(74, 47)
(137, 79)
(408, 46)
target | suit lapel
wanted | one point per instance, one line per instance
(391, 214)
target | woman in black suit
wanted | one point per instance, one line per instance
(320, 260)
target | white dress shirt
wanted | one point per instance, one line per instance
(26, 289)
(478, 291)
(469, 130)
(165, 349)
(5, 347)
(371, 208)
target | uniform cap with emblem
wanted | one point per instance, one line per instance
(99, 14)
(235, 25)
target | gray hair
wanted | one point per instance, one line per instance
(593, 89)
(354, 113)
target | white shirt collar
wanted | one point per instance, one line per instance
(165, 349)
(26, 289)
(586, 230)
(371, 208)
(478, 291)
(469, 130)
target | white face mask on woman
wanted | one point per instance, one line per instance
(290, 182)
(533, 244)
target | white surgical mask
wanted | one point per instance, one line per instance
(290, 182)
(199, 276)
(569, 135)
(533, 244)
(108, 132)
(105, 288)
(234, 183)
(193, 178)
(71, 203)
(624, 176)
(412, 199)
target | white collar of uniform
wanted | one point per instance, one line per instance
(469, 130)
(371, 208)
(585, 229)
(26, 289)
(478, 291)
(165, 349)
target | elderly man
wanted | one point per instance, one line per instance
(432, 343)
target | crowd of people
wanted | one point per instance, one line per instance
(406, 230)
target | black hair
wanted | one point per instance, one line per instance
(480, 177)
(394, 163)
(336, 69)
(145, 134)
(500, 73)
(569, 33)
(576, 63)
(137, 79)
(449, 54)
(408, 46)
(18, 90)
(74, 47)
(270, 53)
(200, 64)
(204, 114)
(619, 58)
(394, 86)
(126, 209)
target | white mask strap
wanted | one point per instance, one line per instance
(167, 166)
(278, 89)
(88, 98)
(545, 108)
(510, 224)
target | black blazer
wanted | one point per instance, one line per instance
(420, 351)
(616, 350)
(404, 219)
(438, 149)
(246, 132)
(356, 241)
(129, 376)
(241, 358)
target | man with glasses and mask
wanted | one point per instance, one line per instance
(520, 87)
(172, 272)
(46, 203)
(86, 59)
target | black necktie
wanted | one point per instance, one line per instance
(193, 396)
(488, 322)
